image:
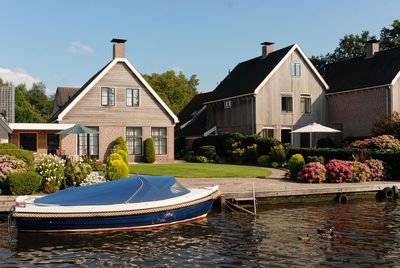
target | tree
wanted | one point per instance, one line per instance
(387, 124)
(24, 111)
(175, 91)
(37, 98)
(390, 37)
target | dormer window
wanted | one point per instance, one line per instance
(107, 96)
(295, 69)
(227, 104)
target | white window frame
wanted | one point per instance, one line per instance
(227, 104)
(107, 103)
(158, 141)
(295, 69)
(308, 98)
(88, 145)
(130, 100)
(134, 138)
(287, 111)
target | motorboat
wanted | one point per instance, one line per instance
(131, 203)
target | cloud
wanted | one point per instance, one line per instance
(177, 69)
(17, 76)
(78, 47)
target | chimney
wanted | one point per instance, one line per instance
(267, 48)
(118, 48)
(371, 47)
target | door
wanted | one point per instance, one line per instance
(53, 142)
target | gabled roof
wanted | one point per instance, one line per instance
(63, 94)
(58, 116)
(363, 72)
(193, 107)
(196, 126)
(248, 77)
(4, 125)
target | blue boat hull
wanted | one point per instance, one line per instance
(112, 223)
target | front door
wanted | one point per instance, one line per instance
(53, 142)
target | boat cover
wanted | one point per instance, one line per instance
(130, 190)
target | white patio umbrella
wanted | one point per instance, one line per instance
(315, 128)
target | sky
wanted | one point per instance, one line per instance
(64, 43)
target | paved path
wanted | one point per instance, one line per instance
(277, 186)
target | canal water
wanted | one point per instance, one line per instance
(367, 234)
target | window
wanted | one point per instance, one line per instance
(107, 96)
(227, 104)
(295, 69)
(28, 141)
(132, 97)
(268, 133)
(134, 140)
(305, 104)
(88, 144)
(287, 104)
(159, 135)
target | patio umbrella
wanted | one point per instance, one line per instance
(78, 129)
(315, 128)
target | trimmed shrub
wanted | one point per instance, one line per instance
(149, 151)
(264, 160)
(313, 172)
(315, 159)
(116, 169)
(24, 155)
(22, 183)
(124, 156)
(8, 146)
(296, 164)
(325, 143)
(114, 156)
(207, 151)
(120, 144)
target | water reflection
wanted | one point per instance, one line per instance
(367, 234)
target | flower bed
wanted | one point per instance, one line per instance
(9, 165)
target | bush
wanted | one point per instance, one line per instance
(313, 172)
(7, 146)
(376, 168)
(207, 151)
(201, 159)
(97, 166)
(264, 160)
(296, 164)
(189, 156)
(124, 156)
(339, 171)
(279, 153)
(94, 178)
(220, 160)
(51, 168)
(24, 155)
(325, 143)
(22, 183)
(120, 144)
(116, 169)
(315, 159)
(76, 173)
(9, 165)
(383, 143)
(149, 152)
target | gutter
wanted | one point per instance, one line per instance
(229, 98)
(358, 89)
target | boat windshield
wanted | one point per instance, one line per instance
(130, 190)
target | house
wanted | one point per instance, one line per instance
(270, 95)
(362, 89)
(193, 119)
(7, 108)
(116, 101)
(5, 131)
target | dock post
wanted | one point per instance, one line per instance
(254, 201)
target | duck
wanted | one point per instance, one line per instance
(328, 236)
(305, 238)
(326, 231)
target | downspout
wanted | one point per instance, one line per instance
(253, 115)
(387, 100)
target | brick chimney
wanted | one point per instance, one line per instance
(371, 47)
(118, 48)
(267, 48)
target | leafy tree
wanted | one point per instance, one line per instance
(175, 91)
(24, 111)
(37, 97)
(390, 37)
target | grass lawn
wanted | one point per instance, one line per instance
(199, 170)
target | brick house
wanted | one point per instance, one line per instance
(363, 88)
(116, 101)
(270, 95)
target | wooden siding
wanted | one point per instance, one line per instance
(395, 97)
(88, 111)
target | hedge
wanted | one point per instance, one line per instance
(390, 158)
(22, 183)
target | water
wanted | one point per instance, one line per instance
(367, 234)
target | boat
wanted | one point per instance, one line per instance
(136, 202)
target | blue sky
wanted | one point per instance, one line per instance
(63, 43)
